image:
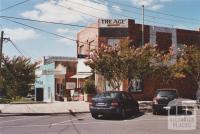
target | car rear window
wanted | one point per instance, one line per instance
(166, 93)
(107, 95)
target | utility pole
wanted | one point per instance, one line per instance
(1, 48)
(142, 25)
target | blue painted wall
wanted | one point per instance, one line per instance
(47, 82)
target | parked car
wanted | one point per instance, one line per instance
(30, 97)
(112, 103)
(161, 99)
(75, 96)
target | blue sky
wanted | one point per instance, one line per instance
(35, 44)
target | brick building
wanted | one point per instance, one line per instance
(110, 32)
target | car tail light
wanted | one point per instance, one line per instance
(114, 103)
(155, 100)
(91, 103)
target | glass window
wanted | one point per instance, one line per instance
(135, 85)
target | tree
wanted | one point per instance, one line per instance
(17, 76)
(191, 54)
(169, 67)
(125, 61)
(107, 61)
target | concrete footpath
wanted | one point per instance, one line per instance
(45, 108)
(56, 108)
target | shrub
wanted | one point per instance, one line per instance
(89, 87)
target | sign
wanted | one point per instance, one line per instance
(107, 23)
(187, 120)
(50, 72)
(70, 85)
(39, 82)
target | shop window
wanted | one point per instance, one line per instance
(135, 85)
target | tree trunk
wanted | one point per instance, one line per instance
(198, 90)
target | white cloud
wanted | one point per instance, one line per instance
(69, 31)
(61, 31)
(69, 13)
(20, 34)
(150, 4)
(156, 7)
(66, 41)
(116, 8)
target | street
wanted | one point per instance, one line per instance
(83, 123)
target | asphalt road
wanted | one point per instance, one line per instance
(85, 124)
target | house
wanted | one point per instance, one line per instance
(53, 80)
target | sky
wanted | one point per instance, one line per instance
(33, 42)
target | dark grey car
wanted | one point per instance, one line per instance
(161, 99)
(113, 103)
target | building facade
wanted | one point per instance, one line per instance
(53, 78)
(112, 31)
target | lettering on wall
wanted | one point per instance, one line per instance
(113, 23)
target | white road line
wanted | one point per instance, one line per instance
(68, 122)
(54, 124)
(18, 119)
(71, 120)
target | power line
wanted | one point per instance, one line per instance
(48, 22)
(45, 31)
(127, 16)
(150, 16)
(74, 25)
(16, 47)
(115, 13)
(13, 5)
(20, 51)
(77, 11)
(162, 13)
(96, 8)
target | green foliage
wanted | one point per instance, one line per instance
(126, 61)
(89, 87)
(17, 76)
(192, 55)
(4, 101)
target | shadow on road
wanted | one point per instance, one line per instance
(117, 118)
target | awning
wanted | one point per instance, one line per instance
(81, 76)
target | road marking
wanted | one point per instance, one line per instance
(79, 118)
(18, 119)
(53, 124)
(68, 122)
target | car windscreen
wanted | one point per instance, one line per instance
(107, 95)
(170, 93)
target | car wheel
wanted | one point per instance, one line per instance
(154, 112)
(94, 115)
(123, 113)
(135, 111)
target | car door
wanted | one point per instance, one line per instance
(127, 103)
(130, 103)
